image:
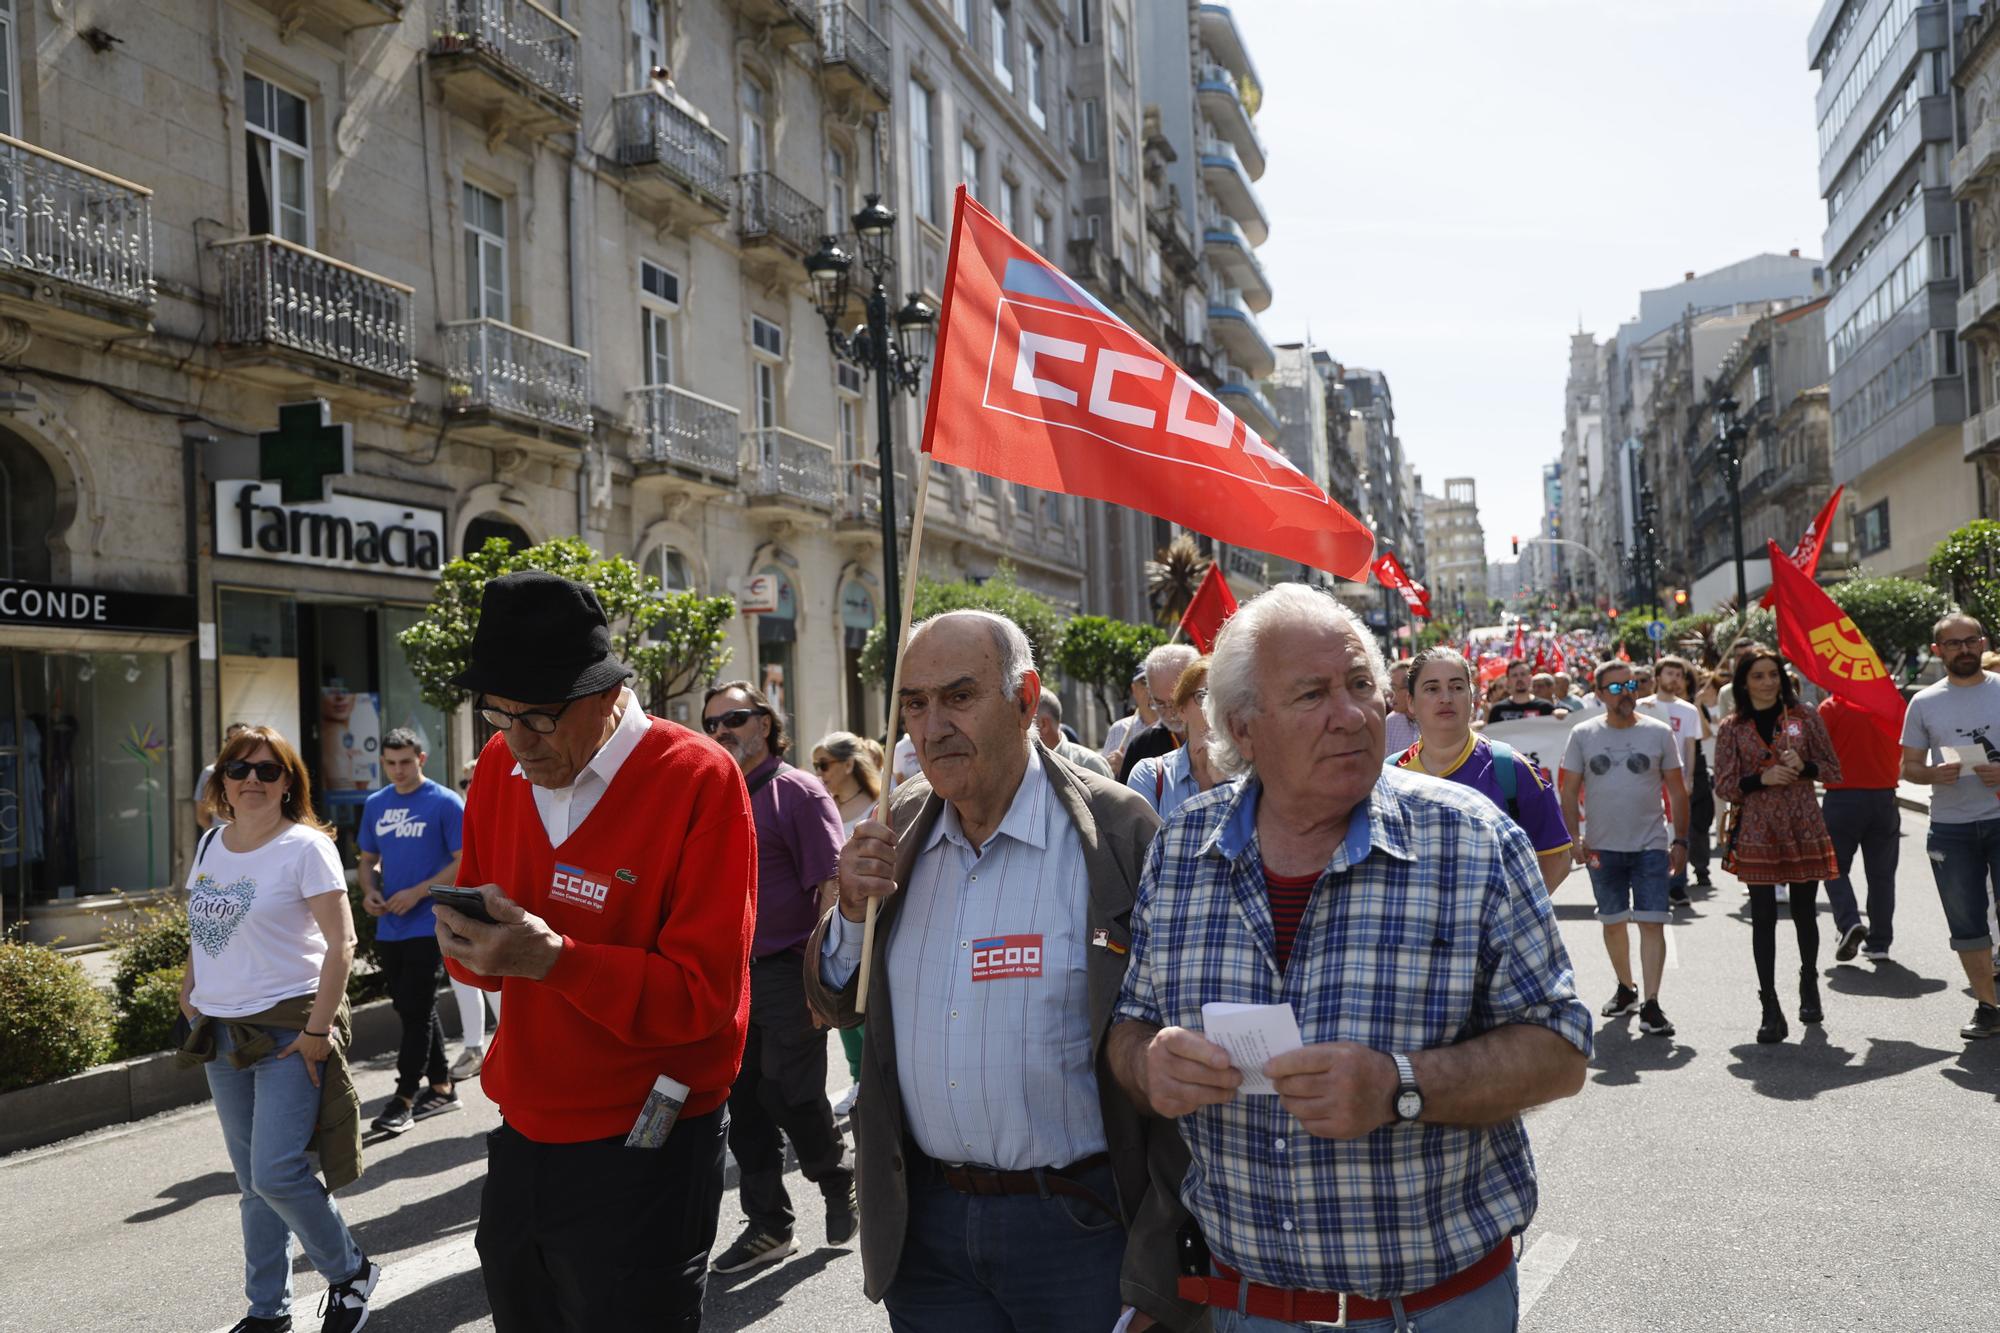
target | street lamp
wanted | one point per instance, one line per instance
(892, 348)
(1730, 444)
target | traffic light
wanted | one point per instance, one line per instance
(1613, 613)
(1680, 597)
(1517, 544)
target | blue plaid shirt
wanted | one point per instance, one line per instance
(1430, 926)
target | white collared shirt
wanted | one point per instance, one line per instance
(563, 809)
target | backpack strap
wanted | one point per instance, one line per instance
(1507, 776)
(201, 849)
(767, 779)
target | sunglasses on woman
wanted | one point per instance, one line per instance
(236, 770)
(732, 719)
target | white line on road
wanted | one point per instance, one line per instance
(1540, 1265)
(408, 1275)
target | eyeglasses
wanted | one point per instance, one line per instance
(236, 770)
(732, 719)
(1621, 687)
(1958, 645)
(822, 765)
(541, 721)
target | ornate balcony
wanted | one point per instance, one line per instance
(787, 21)
(860, 514)
(1980, 304)
(787, 473)
(683, 441)
(777, 225)
(508, 64)
(854, 57)
(508, 386)
(1229, 182)
(295, 318)
(1979, 158)
(673, 161)
(1169, 227)
(1981, 432)
(76, 246)
(343, 15)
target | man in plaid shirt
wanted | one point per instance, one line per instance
(1402, 919)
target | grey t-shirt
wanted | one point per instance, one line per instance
(1622, 769)
(1946, 714)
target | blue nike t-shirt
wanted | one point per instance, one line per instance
(416, 836)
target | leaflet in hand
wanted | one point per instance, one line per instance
(1252, 1034)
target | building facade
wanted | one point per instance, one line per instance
(1457, 550)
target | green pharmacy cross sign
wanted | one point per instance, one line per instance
(304, 451)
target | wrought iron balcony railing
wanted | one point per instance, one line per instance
(652, 130)
(845, 38)
(499, 368)
(279, 294)
(769, 209)
(862, 498)
(519, 34)
(789, 466)
(675, 426)
(63, 220)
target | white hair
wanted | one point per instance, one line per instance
(1017, 659)
(1174, 657)
(1233, 668)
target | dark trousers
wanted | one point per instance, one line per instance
(1866, 820)
(587, 1237)
(1011, 1263)
(411, 968)
(780, 1094)
(1701, 820)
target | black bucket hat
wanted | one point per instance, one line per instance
(541, 640)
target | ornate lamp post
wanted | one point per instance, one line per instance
(1730, 450)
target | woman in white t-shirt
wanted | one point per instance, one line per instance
(271, 941)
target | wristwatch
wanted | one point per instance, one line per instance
(1409, 1098)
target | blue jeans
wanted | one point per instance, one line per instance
(1865, 820)
(1008, 1263)
(1630, 886)
(268, 1114)
(1493, 1308)
(1965, 862)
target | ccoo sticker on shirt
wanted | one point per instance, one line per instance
(1006, 956)
(579, 887)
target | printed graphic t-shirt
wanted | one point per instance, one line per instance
(1960, 716)
(416, 836)
(1622, 770)
(255, 940)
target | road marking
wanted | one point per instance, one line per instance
(1540, 1265)
(405, 1277)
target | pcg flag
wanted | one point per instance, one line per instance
(1036, 382)
(1817, 637)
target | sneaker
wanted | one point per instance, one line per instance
(252, 1324)
(1679, 898)
(1985, 1022)
(752, 1248)
(846, 1102)
(395, 1117)
(345, 1304)
(1623, 1001)
(1876, 953)
(1702, 881)
(1652, 1022)
(1850, 943)
(842, 1214)
(469, 1063)
(431, 1102)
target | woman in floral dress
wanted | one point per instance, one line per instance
(1767, 757)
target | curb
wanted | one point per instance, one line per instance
(116, 1094)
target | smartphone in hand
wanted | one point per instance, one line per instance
(468, 902)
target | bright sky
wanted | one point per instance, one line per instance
(1453, 183)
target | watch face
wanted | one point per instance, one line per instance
(1409, 1105)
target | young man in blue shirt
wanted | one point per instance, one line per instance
(410, 840)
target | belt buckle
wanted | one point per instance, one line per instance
(1340, 1307)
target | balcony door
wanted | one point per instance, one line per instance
(659, 302)
(485, 255)
(755, 124)
(279, 160)
(649, 39)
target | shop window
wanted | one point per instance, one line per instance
(777, 651)
(488, 526)
(27, 511)
(857, 617)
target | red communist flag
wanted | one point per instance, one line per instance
(1390, 572)
(1817, 637)
(1213, 603)
(1520, 641)
(1036, 382)
(1806, 554)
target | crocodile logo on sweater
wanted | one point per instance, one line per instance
(217, 911)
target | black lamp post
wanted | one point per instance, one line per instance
(1730, 447)
(895, 362)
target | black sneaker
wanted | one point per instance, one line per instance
(752, 1248)
(1850, 943)
(252, 1324)
(395, 1118)
(1702, 881)
(842, 1215)
(345, 1304)
(1679, 898)
(1623, 1001)
(1985, 1022)
(431, 1102)
(1652, 1022)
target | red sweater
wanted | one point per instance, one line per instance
(655, 895)
(1870, 758)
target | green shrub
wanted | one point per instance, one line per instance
(1966, 568)
(156, 938)
(53, 1022)
(1896, 615)
(146, 1021)
(1038, 619)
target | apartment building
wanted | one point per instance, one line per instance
(1457, 548)
(1975, 185)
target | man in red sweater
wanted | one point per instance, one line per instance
(1861, 813)
(616, 855)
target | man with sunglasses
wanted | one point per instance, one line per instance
(1616, 761)
(781, 1091)
(616, 854)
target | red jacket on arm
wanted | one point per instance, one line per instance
(655, 895)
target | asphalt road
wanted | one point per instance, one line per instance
(1842, 1181)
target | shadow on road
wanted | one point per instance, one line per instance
(186, 1194)
(1888, 979)
(422, 1221)
(740, 1300)
(427, 1157)
(1801, 1069)
(1624, 1054)
(1978, 1069)
(458, 1301)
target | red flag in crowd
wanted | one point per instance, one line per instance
(1806, 554)
(1541, 658)
(1558, 662)
(1818, 638)
(1036, 382)
(1520, 641)
(1623, 655)
(1212, 604)
(1390, 572)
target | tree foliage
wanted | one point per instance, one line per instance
(1000, 594)
(1173, 576)
(673, 642)
(1896, 615)
(1103, 654)
(1966, 568)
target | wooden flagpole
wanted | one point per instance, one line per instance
(910, 575)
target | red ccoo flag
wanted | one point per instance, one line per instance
(1390, 572)
(1036, 382)
(1817, 637)
(1806, 554)
(1213, 603)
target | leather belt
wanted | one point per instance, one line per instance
(969, 1179)
(1229, 1290)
